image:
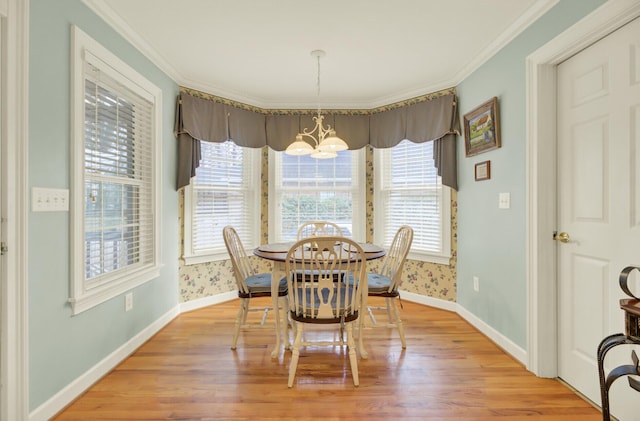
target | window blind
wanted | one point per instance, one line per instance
(118, 199)
(411, 194)
(224, 193)
(309, 189)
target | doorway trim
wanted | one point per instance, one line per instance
(14, 137)
(541, 66)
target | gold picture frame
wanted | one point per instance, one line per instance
(482, 128)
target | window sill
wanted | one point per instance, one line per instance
(97, 296)
(430, 258)
(205, 258)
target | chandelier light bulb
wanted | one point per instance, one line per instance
(333, 143)
(318, 154)
(299, 147)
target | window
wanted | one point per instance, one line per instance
(115, 237)
(408, 191)
(305, 189)
(225, 191)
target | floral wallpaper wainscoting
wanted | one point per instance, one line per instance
(205, 279)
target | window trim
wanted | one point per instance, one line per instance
(358, 225)
(83, 298)
(192, 258)
(445, 218)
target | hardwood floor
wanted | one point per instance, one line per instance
(449, 371)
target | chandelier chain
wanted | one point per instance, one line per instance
(318, 84)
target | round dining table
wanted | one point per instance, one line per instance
(277, 253)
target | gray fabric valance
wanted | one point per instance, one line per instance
(199, 119)
(388, 128)
(282, 129)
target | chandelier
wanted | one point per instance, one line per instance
(327, 144)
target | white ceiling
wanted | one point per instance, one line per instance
(377, 51)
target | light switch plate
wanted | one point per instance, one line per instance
(504, 201)
(49, 200)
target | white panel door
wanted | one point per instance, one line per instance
(599, 207)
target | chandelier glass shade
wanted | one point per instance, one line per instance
(325, 142)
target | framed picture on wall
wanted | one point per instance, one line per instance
(482, 128)
(483, 171)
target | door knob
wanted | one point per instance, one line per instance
(563, 237)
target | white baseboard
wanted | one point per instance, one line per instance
(207, 301)
(67, 395)
(498, 338)
(428, 301)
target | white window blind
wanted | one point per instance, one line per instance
(308, 189)
(118, 216)
(225, 191)
(409, 191)
(115, 212)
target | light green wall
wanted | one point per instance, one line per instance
(61, 346)
(492, 241)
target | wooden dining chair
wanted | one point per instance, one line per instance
(324, 301)
(318, 228)
(385, 282)
(250, 284)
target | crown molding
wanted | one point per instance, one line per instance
(114, 20)
(538, 9)
(515, 29)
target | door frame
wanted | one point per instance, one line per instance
(541, 67)
(14, 361)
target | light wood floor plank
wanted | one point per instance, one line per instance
(449, 371)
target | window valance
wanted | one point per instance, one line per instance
(203, 119)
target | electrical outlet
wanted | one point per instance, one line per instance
(128, 301)
(476, 284)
